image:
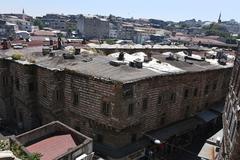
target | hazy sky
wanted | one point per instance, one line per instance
(174, 10)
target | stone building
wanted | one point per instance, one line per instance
(55, 21)
(113, 101)
(230, 147)
(93, 27)
(7, 29)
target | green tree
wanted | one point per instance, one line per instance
(39, 23)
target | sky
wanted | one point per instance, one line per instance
(172, 10)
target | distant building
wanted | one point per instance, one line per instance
(231, 131)
(22, 24)
(93, 27)
(19, 16)
(140, 36)
(113, 31)
(55, 21)
(126, 32)
(7, 29)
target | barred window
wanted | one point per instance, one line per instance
(186, 93)
(17, 85)
(195, 92)
(206, 90)
(145, 103)
(130, 109)
(106, 108)
(75, 98)
(44, 89)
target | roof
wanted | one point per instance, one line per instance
(98, 66)
(161, 134)
(53, 140)
(218, 108)
(52, 147)
(207, 116)
(208, 150)
(178, 128)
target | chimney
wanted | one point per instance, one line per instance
(59, 43)
(77, 50)
(148, 57)
(121, 56)
(51, 42)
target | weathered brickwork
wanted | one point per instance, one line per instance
(231, 117)
(111, 112)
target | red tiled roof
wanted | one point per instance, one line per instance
(52, 147)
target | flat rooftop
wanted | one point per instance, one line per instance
(53, 140)
(208, 150)
(98, 65)
(52, 147)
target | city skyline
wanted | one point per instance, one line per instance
(172, 10)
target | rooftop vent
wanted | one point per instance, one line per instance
(148, 58)
(132, 64)
(116, 63)
(68, 56)
(77, 50)
(46, 50)
(222, 58)
(170, 57)
(51, 54)
(89, 59)
(138, 63)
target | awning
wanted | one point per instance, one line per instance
(218, 108)
(207, 116)
(177, 129)
(161, 134)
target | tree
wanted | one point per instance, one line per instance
(39, 23)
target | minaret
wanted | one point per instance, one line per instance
(219, 18)
(23, 14)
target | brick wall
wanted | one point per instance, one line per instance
(77, 100)
(231, 142)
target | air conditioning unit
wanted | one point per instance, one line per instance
(68, 56)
